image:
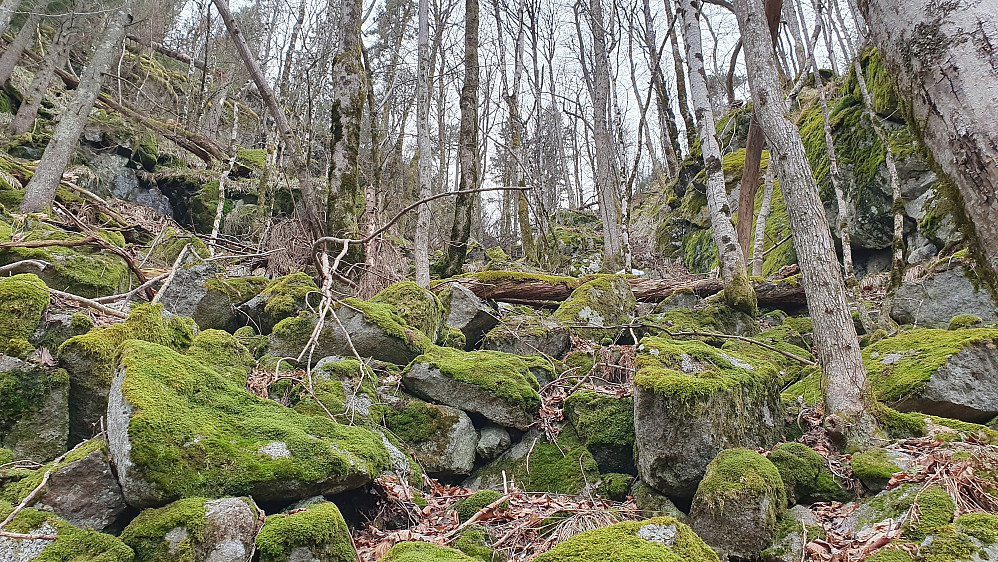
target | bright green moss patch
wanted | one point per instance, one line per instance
(286, 295)
(416, 306)
(961, 321)
(474, 503)
(711, 318)
(194, 432)
(625, 542)
(237, 289)
(949, 545)
(606, 300)
(738, 474)
(418, 421)
(805, 474)
(424, 552)
(900, 365)
(891, 555)
(615, 486)
(981, 526)
(319, 527)
(73, 544)
(605, 424)
(935, 509)
(474, 541)
(23, 299)
(505, 375)
(874, 468)
(898, 425)
(692, 371)
(146, 533)
(222, 352)
(386, 317)
(255, 158)
(565, 468)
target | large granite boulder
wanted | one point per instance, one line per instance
(195, 529)
(947, 292)
(177, 429)
(605, 301)
(53, 538)
(499, 386)
(442, 438)
(204, 292)
(661, 538)
(34, 409)
(692, 401)
(948, 373)
(282, 298)
(739, 503)
(316, 533)
(375, 329)
(416, 306)
(467, 313)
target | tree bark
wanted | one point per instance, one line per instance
(55, 58)
(422, 235)
(164, 50)
(681, 81)
(666, 118)
(837, 346)
(758, 253)
(12, 55)
(40, 191)
(738, 292)
(7, 10)
(464, 204)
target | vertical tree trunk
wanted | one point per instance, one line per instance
(40, 191)
(758, 250)
(422, 235)
(517, 169)
(464, 205)
(345, 203)
(22, 41)
(666, 119)
(7, 10)
(738, 292)
(55, 58)
(681, 99)
(835, 338)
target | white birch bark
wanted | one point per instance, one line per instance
(758, 248)
(422, 235)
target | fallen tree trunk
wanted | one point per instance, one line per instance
(164, 50)
(525, 288)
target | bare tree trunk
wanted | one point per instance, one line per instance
(681, 99)
(22, 41)
(666, 119)
(738, 292)
(464, 205)
(220, 207)
(758, 251)
(55, 58)
(422, 236)
(7, 10)
(309, 196)
(40, 191)
(835, 340)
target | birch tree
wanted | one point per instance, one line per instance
(422, 235)
(738, 292)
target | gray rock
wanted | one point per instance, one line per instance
(492, 442)
(449, 451)
(197, 291)
(528, 335)
(85, 492)
(432, 385)
(965, 387)
(115, 179)
(680, 299)
(933, 301)
(230, 531)
(790, 547)
(653, 504)
(26, 550)
(469, 314)
(39, 399)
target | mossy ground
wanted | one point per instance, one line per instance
(73, 543)
(320, 527)
(874, 468)
(424, 552)
(505, 375)
(195, 432)
(621, 543)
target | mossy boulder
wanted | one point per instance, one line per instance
(465, 312)
(424, 552)
(961, 321)
(654, 504)
(662, 539)
(528, 332)
(535, 465)
(222, 352)
(952, 374)
(692, 401)
(194, 529)
(605, 424)
(497, 385)
(738, 505)
(72, 544)
(475, 541)
(874, 468)
(948, 291)
(178, 429)
(82, 488)
(90, 360)
(935, 509)
(416, 306)
(710, 318)
(442, 438)
(339, 387)
(806, 474)
(60, 324)
(376, 330)
(34, 409)
(23, 299)
(316, 532)
(202, 291)
(469, 506)
(798, 526)
(605, 301)
(282, 298)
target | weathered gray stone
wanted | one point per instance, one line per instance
(469, 314)
(965, 387)
(36, 424)
(450, 448)
(230, 530)
(790, 547)
(85, 492)
(202, 292)
(933, 301)
(527, 335)
(492, 442)
(26, 550)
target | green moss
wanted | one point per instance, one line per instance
(294, 327)
(320, 527)
(23, 299)
(711, 318)
(949, 545)
(252, 158)
(424, 552)
(73, 544)
(615, 486)
(900, 365)
(17, 347)
(505, 375)
(739, 474)
(386, 317)
(418, 421)
(416, 306)
(17, 491)
(474, 503)
(222, 352)
(452, 337)
(605, 424)
(874, 468)
(171, 242)
(606, 300)
(981, 526)
(581, 361)
(286, 295)
(237, 289)
(935, 509)
(891, 555)
(146, 533)
(474, 541)
(961, 321)
(622, 542)
(6, 455)
(692, 371)
(562, 468)
(211, 444)
(899, 425)
(805, 474)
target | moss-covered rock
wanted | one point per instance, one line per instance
(465, 312)
(90, 359)
(662, 539)
(651, 503)
(497, 385)
(606, 426)
(194, 529)
(475, 541)
(738, 505)
(935, 509)
(203, 291)
(709, 318)
(604, 301)
(282, 298)
(222, 352)
(442, 438)
(424, 552)
(316, 532)
(23, 299)
(961, 321)
(615, 486)
(469, 506)
(179, 429)
(806, 475)
(526, 332)
(34, 409)
(874, 468)
(72, 544)
(692, 400)
(416, 306)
